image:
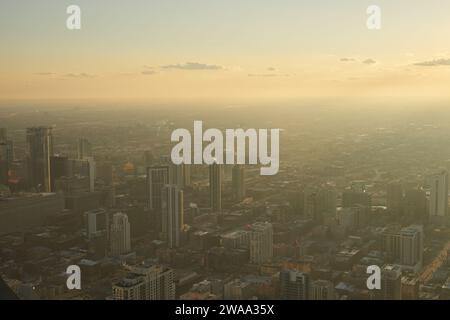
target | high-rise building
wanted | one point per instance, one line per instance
(238, 182)
(40, 149)
(261, 242)
(4, 166)
(120, 236)
(322, 290)
(3, 136)
(215, 186)
(84, 168)
(294, 285)
(157, 178)
(438, 205)
(84, 148)
(180, 175)
(59, 167)
(405, 246)
(391, 283)
(146, 282)
(411, 247)
(97, 222)
(173, 219)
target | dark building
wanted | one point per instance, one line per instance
(59, 167)
(40, 149)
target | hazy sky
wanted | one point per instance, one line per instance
(223, 50)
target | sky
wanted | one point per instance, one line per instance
(230, 51)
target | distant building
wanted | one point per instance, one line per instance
(120, 235)
(261, 242)
(438, 205)
(322, 290)
(238, 182)
(97, 222)
(40, 149)
(84, 149)
(173, 215)
(294, 285)
(405, 247)
(157, 178)
(391, 283)
(215, 186)
(147, 282)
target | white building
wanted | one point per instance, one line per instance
(120, 234)
(261, 242)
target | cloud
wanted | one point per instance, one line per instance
(78, 75)
(44, 73)
(347, 60)
(433, 63)
(369, 61)
(193, 66)
(267, 75)
(148, 72)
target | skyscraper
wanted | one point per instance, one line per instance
(294, 285)
(215, 186)
(238, 182)
(261, 242)
(157, 178)
(180, 175)
(40, 149)
(84, 148)
(438, 206)
(4, 163)
(120, 236)
(172, 219)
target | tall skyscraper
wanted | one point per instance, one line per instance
(215, 186)
(438, 205)
(157, 178)
(120, 236)
(180, 175)
(261, 242)
(294, 285)
(238, 182)
(40, 149)
(84, 148)
(173, 215)
(146, 282)
(4, 161)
